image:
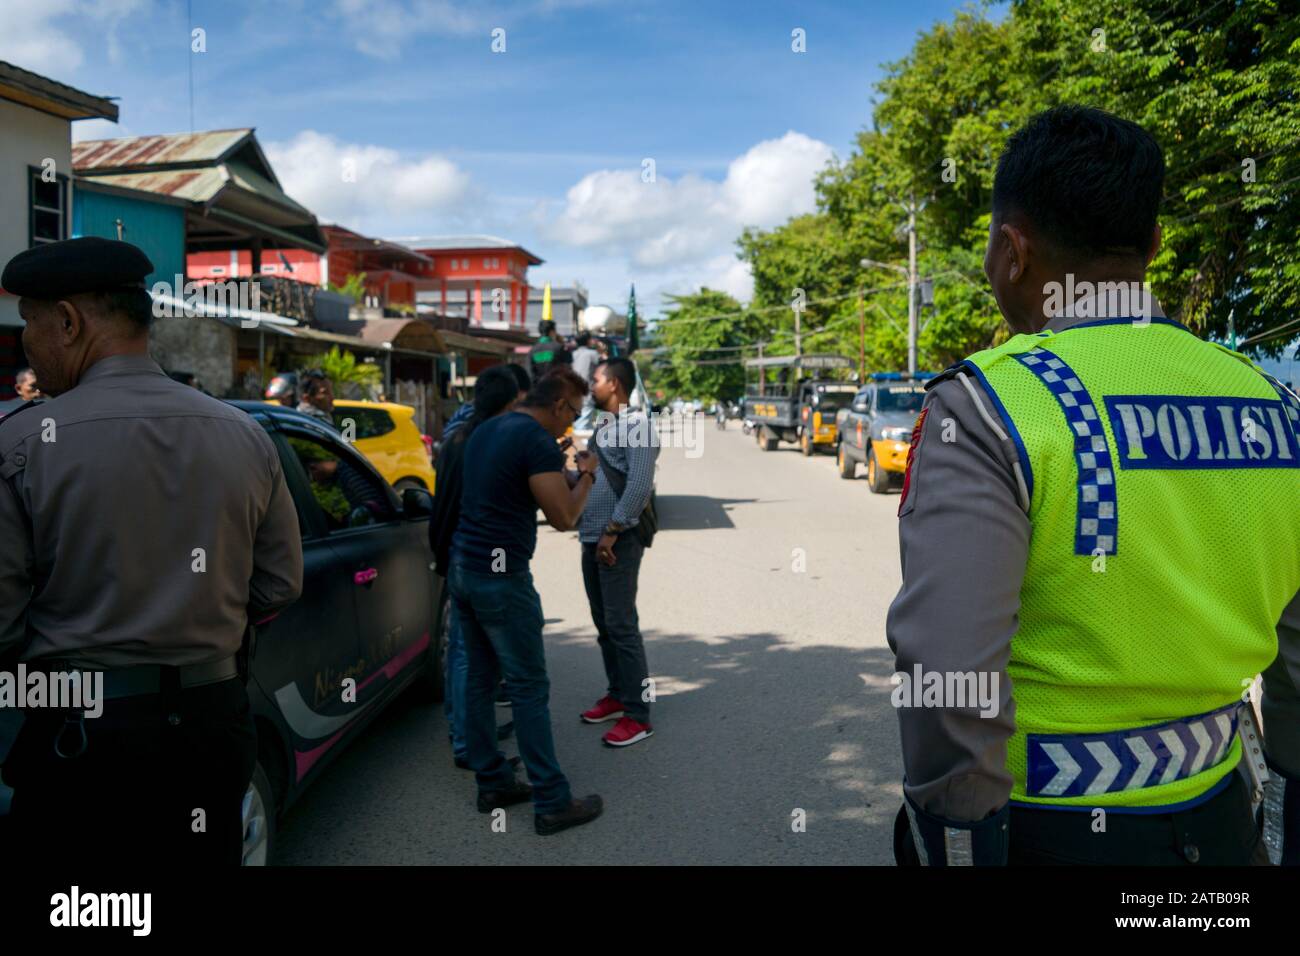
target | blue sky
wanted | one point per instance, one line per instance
(544, 143)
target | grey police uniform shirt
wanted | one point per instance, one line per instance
(160, 521)
(964, 544)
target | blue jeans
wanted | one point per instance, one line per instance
(501, 622)
(457, 678)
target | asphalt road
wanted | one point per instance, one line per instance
(763, 606)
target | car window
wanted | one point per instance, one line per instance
(345, 492)
(901, 398)
(369, 422)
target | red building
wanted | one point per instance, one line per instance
(480, 278)
(393, 272)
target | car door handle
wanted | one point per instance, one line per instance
(366, 576)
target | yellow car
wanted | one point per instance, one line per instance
(386, 434)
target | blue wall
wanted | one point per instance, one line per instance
(157, 228)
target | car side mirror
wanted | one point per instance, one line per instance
(416, 503)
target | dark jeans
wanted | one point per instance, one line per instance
(611, 592)
(1219, 832)
(131, 796)
(501, 624)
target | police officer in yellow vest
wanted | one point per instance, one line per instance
(1100, 536)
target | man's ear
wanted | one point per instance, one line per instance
(71, 320)
(1017, 251)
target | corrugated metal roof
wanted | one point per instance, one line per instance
(207, 146)
(196, 185)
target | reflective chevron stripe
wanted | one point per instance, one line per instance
(1074, 765)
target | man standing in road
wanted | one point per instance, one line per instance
(512, 467)
(1098, 522)
(145, 525)
(317, 396)
(585, 359)
(614, 533)
(549, 351)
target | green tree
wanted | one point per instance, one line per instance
(343, 369)
(698, 346)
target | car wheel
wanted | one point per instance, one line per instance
(877, 477)
(806, 445)
(404, 483)
(766, 440)
(259, 819)
(848, 467)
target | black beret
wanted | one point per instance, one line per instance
(56, 270)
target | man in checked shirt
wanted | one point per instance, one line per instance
(626, 445)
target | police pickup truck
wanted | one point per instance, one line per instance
(793, 399)
(875, 429)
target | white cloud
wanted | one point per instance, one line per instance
(688, 226)
(379, 27)
(361, 186)
(32, 39)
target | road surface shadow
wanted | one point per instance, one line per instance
(694, 512)
(764, 752)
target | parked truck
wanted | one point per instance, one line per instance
(794, 399)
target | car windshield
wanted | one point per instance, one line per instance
(830, 401)
(900, 398)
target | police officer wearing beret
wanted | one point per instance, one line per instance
(1099, 529)
(153, 524)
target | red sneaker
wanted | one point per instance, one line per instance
(626, 732)
(607, 708)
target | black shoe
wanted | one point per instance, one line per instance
(517, 792)
(505, 730)
(463, 764)
(575, 814)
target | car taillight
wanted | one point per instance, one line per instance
(428, 445)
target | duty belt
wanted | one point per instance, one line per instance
(1079, 765)
(142, 679)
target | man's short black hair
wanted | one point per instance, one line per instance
(495, 389)
(1085, 179)
(583, 339)
(133, 304)
(546, 327)
(521, 376)
(560, 382)
(621, 370)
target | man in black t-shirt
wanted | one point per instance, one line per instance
(512, 467)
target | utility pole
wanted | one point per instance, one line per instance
(762, 372)
(798, 336)
(862, 338)
(911, 286)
